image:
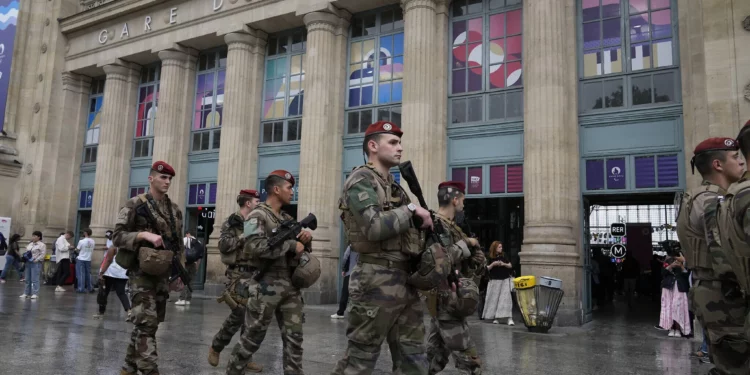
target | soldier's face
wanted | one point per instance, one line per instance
(252, 203)
(160, 182)
(284, 192)
(388, 150)
(733, 166)
(458, 202)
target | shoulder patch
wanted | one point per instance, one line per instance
(253, 220)
(363, 196)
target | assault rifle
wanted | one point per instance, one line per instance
(287, 230)
(408, 174)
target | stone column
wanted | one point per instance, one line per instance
(238, 155)
(115, 145)
(174, 116)
(321, 145)
(424, 137)
(551, 185)
(64, 192)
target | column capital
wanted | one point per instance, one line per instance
(443, 7)
(409, 5)
(322, 21)
(120, 71)
(177, 55)
(76, 82)
(251, 40)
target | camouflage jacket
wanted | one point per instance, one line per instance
(232, 241)
(691, 228)
(728, 227)
(133, 219)
(376, 219)
(257, 230)
(470, 261)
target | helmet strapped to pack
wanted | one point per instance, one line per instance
(307, 272)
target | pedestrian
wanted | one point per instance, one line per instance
(499, 305)
(347, 266)
(631, 270)
(674, 315)
(83, 262)
(449, 330)
(239, 272)
(192, 268)
(112, 277)
(34, 255)
(379, 223)
(12, 259)
(147, 237)
(62, 257)
(272, 292)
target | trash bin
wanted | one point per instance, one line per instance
(538, 302)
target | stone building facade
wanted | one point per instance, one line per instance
(540, 101)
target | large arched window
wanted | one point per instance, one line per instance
(628, 54)
(93, 122)
(376, 69)
(486, 80)
(209, 100)
(148, 97)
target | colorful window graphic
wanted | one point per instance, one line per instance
(503, 179)
(200, 194)
(134, 191)
(284, 92)
(209, 100)
(148, 97)
(86, 199)
(96, 99)
(650, 172)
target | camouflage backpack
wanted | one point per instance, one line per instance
(432, 267)
(728, 232)
(464, 302)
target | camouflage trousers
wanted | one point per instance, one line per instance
(240, 284)
(149, 300)
(273, 295)
(383, 307)
(724, 320)
(448, 337)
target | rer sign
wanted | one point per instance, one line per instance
(617, 229)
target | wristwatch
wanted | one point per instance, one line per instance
(412, 207)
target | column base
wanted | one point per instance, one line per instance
(325, 290)
(560, 262)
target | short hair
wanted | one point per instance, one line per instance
(37, 233)
(70, 233)
(242, 199)
(272, 181)
(445, 197)
(154, 173)
(704, 160)
(744, 140)
(371, 137)
(87, 231)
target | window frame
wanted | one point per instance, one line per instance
(375, 106)
(147, 138)
(630, 173)
(84, 208)
(288, 55)
(486, 177)
(207, 194)
(627, 74)
(214, 132)
(486, 93)
(90, 151)
(131, 188)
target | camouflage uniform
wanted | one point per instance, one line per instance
(715, 296)
(379, 226)
(273, 294)
(449, 334)
(149, 293)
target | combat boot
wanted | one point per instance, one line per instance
(254, 367)
(213, 357)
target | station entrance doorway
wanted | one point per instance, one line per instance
(200, 223)
(650, 231)
(497, 219)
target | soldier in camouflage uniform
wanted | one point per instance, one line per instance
(719, 164)
(379, 221)
(133, 230)
(448, 333)
(239, 273)
(274, 292)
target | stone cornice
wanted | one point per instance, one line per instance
(121, 72)
(76, 82)
(105, 12)
(9, 168)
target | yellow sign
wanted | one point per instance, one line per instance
(524, 282)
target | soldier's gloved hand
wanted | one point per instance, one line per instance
(424, 216)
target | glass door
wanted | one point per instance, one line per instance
(587, 270)
(200, 223)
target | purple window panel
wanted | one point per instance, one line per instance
(645, 174)
(201, 194)
(515, 179)
(458, 174)
(475, 181)
(616, 173)
(595, 174)
(212, 193)
(133, 192)
(667, 167)
(262, 189)
(193, 192)
(497, 179)
(89, 198)
(82, 200)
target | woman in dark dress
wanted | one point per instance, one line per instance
(499, 304)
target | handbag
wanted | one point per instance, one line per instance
(27, 256)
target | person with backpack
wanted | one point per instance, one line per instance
(112, 276)
(193, 255)
(12, 259)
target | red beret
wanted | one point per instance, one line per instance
(384, 127)
(716, 144)
(163, 168)
(460, 186)
(250, 193)
(283, 174)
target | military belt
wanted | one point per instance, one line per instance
(400, 265)
(243, 268)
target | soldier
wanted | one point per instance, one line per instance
(239, 273)
(145, 224)
(379, 222)
(449, 331)
(719, 164)
(274, 290)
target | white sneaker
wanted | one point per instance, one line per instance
(59, 289)
(33, 296)
(495, 321)
(337, 316)
(510, 322)
(180, 303)
(187, 302)
(23, 296)
(672, 333)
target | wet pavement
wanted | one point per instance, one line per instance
(56, 334)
